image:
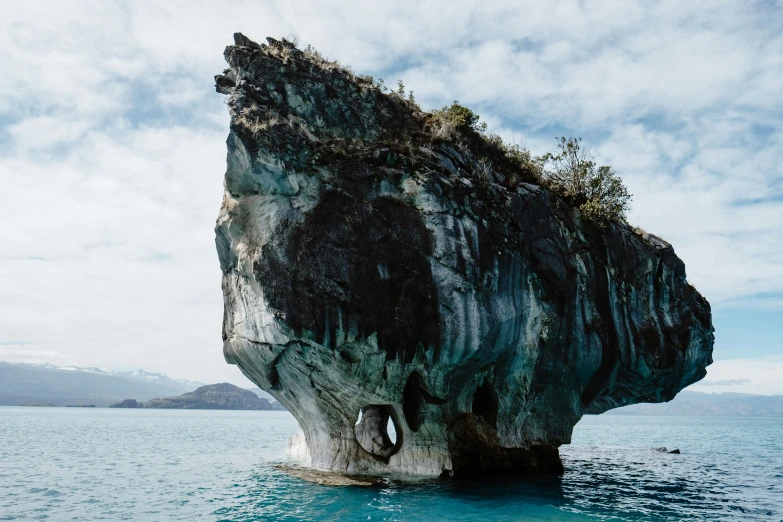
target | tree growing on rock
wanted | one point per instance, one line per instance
(461, 118)
(597, 192)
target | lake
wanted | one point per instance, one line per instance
(158, 465)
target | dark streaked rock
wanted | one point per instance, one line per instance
(368, 267)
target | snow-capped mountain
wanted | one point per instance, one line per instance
(61, 385)
(139, 375)
(142, 375)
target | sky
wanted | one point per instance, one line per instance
(112, 151)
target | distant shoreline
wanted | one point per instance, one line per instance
(610, 413)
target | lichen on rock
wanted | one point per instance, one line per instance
(372, 264)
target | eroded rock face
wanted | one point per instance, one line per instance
(370, 265)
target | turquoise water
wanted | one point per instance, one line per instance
(158, 465)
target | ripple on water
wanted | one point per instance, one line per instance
(201, 465)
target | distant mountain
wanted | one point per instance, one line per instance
(221, 396)
(63, 385)
(690, 403)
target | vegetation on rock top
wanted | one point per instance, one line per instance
(390, 123)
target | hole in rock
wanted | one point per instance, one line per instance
(414, 397)
(485, 404)
(391, 431)
(377, 431)
(412, 401)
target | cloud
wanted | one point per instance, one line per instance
(34, 353)
(725, 382)
(112, 142)
(757, 376)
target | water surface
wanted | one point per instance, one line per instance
(158, 465)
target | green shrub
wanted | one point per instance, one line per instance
(461, 118)
(530, 165)
(598, 192)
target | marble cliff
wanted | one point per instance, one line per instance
(373, 263)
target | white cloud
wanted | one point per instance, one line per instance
(757, 376)
(34, 353)
(113, 142)
(115, 260)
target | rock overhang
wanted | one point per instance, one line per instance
(369, 265)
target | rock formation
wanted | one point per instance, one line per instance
(372, 263)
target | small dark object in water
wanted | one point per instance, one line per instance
(675, 451)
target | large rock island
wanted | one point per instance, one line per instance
(223, 396)
(375, 260)
(128, 403)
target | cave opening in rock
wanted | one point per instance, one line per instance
(412, 401)
(391, 429)
(415, 397)
(485, 403)
(377, 431)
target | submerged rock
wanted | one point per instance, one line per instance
(373, 264)
(330, 478)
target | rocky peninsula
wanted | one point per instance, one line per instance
(223, 396)
(380, 262)
(128, 403)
